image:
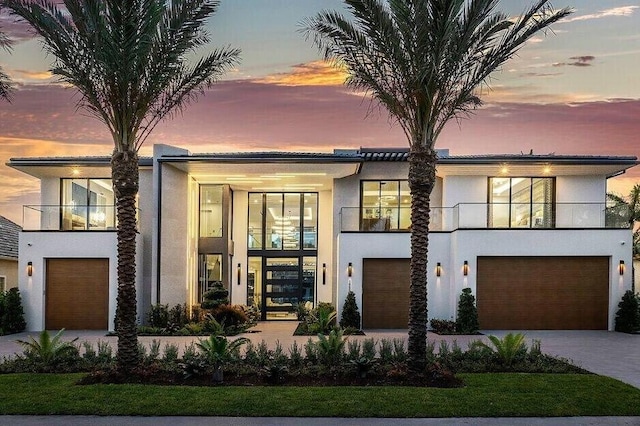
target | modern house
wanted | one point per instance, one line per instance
(9, 232)
(531, 235)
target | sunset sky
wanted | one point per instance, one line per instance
(575, 90)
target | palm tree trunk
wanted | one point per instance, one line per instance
(422, 176)
(124, 174)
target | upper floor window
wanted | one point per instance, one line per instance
(521, 202)
(211, 211)
(283, 221)
(87, 204)
(385, 205)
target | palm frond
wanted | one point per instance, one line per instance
(425, 60)
(129, 60)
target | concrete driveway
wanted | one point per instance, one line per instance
(607, 353)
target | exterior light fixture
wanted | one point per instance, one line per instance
(29, 269)
(465, 268)
(621, 267)
(438, 269)
(239, 272)
(324, 273)
(350, 270)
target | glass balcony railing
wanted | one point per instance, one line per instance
(69, 218)
(492, 216)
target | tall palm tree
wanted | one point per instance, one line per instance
(425, 61)
(5, 82)
(128, 60)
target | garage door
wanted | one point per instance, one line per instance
(385, 293)
(543, 293)
(77, 294)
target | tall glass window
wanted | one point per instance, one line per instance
(87, 204)
(521, 202)
(385, 205)
(211, 211)
(210, 272)
(290, 221)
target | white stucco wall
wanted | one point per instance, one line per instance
(452, 249)
(174, 252)
(36, 247)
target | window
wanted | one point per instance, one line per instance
(210, 272)
(3, 283)
(283, 221)
(385, 205)
(521, 202)
(211, 211)
(87, 204)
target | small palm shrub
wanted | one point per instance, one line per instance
(467, 321)
(330, 349)
(350, 315)
(218, 350)
(442, 326)
(47, 351)
(508, 348)
(628, 315)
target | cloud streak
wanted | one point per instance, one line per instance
(607, 13)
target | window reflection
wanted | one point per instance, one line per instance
(521, 202)
(386, 205)
(87, 204)
(211, 211)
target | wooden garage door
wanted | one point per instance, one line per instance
(385, 293)
(77, 294)
(543, 293)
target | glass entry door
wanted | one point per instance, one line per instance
(282, 287)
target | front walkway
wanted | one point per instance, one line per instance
(607, 353)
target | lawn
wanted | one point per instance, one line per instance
(486, 395)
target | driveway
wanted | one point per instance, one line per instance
(607, 353)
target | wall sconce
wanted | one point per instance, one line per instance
(239, 272)
(29, 269)
(438, 269)
(621, 267)
(465, 268)
(324, 273)
(350, 270)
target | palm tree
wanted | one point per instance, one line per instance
(626, 210)
(5, 82)
(425, 61)
(128, 60)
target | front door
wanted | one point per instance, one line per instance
(289, 282)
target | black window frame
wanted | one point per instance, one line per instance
(531, 203)
(398, 207)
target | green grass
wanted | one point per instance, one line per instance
(486, 395)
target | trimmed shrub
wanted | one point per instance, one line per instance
(178, 316)
(215, 297)
(628, 315)
(158, 316)
(442, 326)
(12, 319)
(467, 322)
(350, 314)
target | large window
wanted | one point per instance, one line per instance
(87, 204)
(521, 202)
(385, 205)
(211, 211)
(209, 271)
(283, 221)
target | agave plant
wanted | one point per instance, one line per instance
(218, 350)
(47, 350)
(506, 348)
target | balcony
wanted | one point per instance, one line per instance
(492, 216)
(69, 218)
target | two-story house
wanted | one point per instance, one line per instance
(531, 235)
